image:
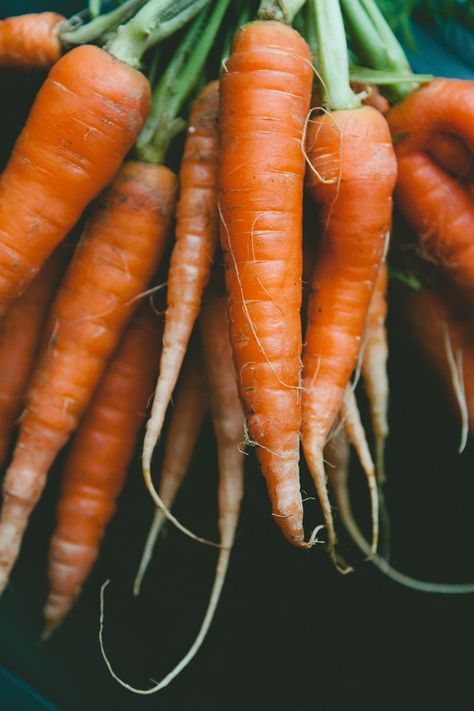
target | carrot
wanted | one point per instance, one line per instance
(191, 259)
(351, 179)
(265, 95)
(108, 273)
(228, 421)
(20, 335)
(96, 465)
(84, 120)
(337, 455)
(186, 422)
(30, 41)
(374, 367)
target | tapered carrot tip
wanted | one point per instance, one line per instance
(13, 522)
(56, 608)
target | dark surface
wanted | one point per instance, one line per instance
(290, 632)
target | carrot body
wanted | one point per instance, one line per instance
(118, 255)
(30, 41)
(97, 463)
(191, 259)
(183, 432)
(351, 151)
(265, 97)
(436, 204)
(374, 366)
(20, 335)
(84, 120)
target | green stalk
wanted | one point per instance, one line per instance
(242, 18)
(396, 55)
(283, 10)
(333, 57)
(93, 30)
(154, 22)
(372, 49)
(179, 79)
(311, 34)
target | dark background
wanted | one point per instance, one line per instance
(290, 632)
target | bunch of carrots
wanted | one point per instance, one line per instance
(205, 284)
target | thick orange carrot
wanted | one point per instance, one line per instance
(119, 253)
(436, 204)
(186, 422)
(85, 119)
(374, 367)
(97, 463)
(30, 41)
(265, 96)
(228, 421)
(20, 336)
(351, 179)
(191, 259)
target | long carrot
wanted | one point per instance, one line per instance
(228, 421)
(337, 455)
(109, 271)
(30, 41)
(20, 336)
(97, 463)
(186, 422)
(374, 367)
(351, 179)
(265, 96)
(191, 259)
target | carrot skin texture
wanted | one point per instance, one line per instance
(109, 270)
(20, 337)
(97, 463)
(265, 98)
(84, 121)
(436, 204)
(196, 237)
(30, 41)
(352, 151)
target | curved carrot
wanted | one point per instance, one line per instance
(20, 337)
(374, 367)
(30, 41)
(265, 96)
(97, 463)
(118, 255)
(183, 432)
(85, 119)
(191, 259)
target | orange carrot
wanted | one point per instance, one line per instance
(351, 179)
(228, 421)
(374, 367)
(109, 272)
(196, 235)
(437, 205)
(97, 463)
(265, 96)
(85, 118)
(186, 422)
(20, 336)
(30, 41)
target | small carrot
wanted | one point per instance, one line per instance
(186, 422)
(30, 41)
(107, 274)
(96, 465)
(351, 179)
(265, 96)
(337, 456)
(191, 259)
(374, 367)
(20, 336)
(228, 421)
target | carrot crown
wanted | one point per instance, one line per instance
(74, 32)
(283, 10)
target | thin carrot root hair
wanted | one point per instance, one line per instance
(355, 431)
(455, 365)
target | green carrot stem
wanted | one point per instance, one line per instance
(333, 57)
(154, 22)
(370, 46)
(283, 10)
(179, 79)
(92, 31)
(243, 17)
(311, 30)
